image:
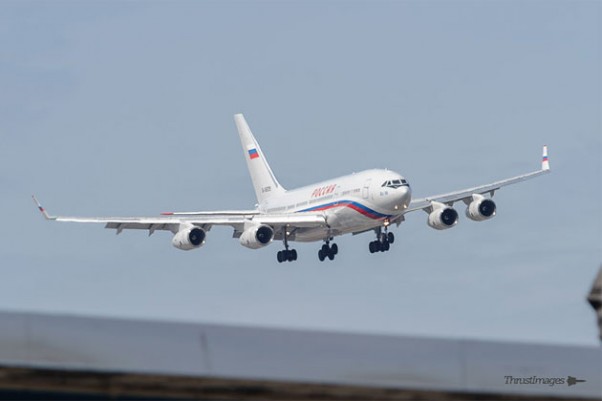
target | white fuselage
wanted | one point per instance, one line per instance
(352, 203)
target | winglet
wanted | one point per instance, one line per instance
(545, 163)
(44, 212)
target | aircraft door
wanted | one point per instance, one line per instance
(366, 188)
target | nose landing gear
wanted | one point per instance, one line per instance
(383, 241)
(328, 251)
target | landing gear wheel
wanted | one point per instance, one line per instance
(383, 241)
(287, 255)
(328, 251)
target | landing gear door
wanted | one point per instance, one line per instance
(366, 188)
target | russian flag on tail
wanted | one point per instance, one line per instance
(253, 154)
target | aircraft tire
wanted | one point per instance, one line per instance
(391, 238)
(334, 248)
(293, 255)
(385, 246)
(279, 256)
(321, 255)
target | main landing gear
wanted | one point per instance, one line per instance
(328, 251)
(287, 255)
(383, 241)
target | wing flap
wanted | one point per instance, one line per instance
(302, 220)
(141, 226)
(215, 213)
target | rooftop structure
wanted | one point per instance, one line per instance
(130, 353)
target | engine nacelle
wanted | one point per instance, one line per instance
(257, 236)
(480, 208)
(442, 218)
(189, 238)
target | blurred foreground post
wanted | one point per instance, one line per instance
(595, 299)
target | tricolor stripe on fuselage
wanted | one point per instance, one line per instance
(358, 207)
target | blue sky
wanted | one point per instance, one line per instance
(125, 108)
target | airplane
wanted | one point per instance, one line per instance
(370, 200)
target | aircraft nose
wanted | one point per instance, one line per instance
(402, 198)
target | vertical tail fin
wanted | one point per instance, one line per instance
(264, 182)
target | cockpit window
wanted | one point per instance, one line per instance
(395, 183)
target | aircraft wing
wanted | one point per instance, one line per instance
(173, 221)
(466, 194)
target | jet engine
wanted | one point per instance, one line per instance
(442, 217)
(188, 238)
(257, 236)
(480, 208)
